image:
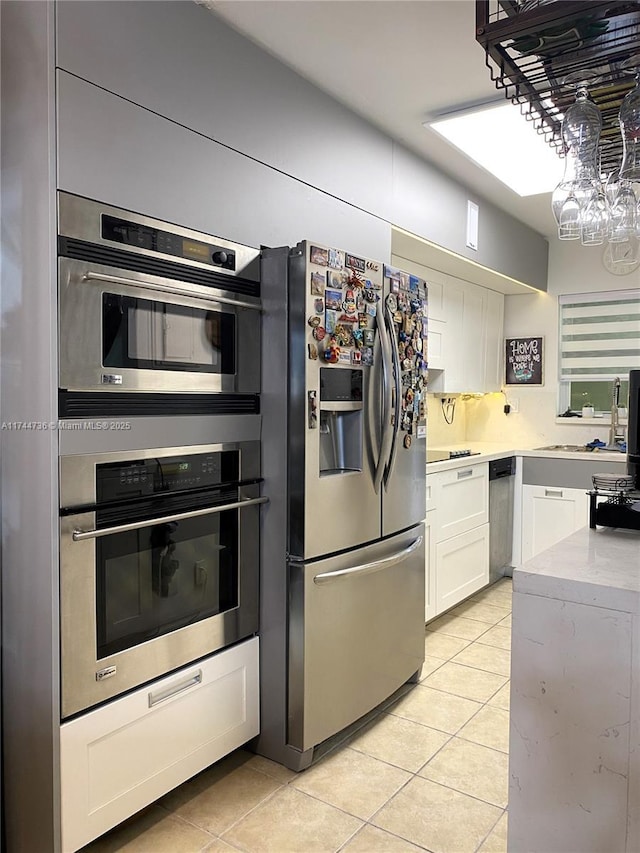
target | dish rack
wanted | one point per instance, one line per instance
(621, 504)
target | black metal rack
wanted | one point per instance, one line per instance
(531, 46)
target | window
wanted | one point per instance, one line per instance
(599, 341)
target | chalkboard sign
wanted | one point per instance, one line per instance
(523, 361)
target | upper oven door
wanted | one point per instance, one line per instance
(131, 331)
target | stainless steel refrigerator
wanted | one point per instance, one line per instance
(344, 447)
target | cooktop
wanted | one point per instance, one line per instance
(442, 455)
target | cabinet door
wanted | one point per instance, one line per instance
(493, 340)
(462, 567)
(472, 343)
(550, 513)
(462, 500)
(429, 568)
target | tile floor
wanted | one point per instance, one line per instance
(429, 774)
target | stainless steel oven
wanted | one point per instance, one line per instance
(147, 306)
(159, 553)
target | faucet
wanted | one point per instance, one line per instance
(616, 432)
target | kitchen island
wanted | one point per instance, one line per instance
(575, 697)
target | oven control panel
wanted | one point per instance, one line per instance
(165, 242)
(142, 477)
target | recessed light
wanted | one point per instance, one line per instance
(501, 140)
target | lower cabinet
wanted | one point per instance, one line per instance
(430, 568)
(462, 567)
(124, 755)
(549, 514)
(457, 536)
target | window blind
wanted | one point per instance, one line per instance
(599, 335)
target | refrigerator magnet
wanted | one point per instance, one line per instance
(407, 441)
(318, 306)
(319, 256)
(344, 357)
(373, 266)
(336, 259)
(330, 321)
(356, 357)
(313, 352)
(394, 285)
(392, 303)
(333, 299)
(366, 355)
(314, 321)
(368, 337)
(334, 279)
(319, 333)
(354, 262)
(317, 283)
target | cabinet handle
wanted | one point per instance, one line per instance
(174, 689)
(553, 493)
(467, 473)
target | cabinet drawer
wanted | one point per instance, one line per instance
(121, 757)
(462, 500)
(462, 567)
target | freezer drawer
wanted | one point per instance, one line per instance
(356, 633)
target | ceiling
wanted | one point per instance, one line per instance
(397, 63)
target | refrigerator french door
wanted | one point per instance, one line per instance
(357, 382)
(343, 553)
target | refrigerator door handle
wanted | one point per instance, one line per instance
(369, 568)
(398, 391)
(385, 349)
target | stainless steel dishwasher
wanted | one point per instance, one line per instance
(501, 480)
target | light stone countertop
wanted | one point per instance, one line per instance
(488, 450)
(598, 567)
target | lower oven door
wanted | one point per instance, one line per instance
(130, 331)
(140, 599)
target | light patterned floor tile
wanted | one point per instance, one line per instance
(352, 781)
(370, 839)
(471, 769)
(225, 800)
(430, 665)
(437, 818)
(502, 699)
(442, 646)
(489, 727)
(505, 623)
(152, 831)
(498, 636)
(481, 612)
(270, 768)
(465, 681)
(399, 741)
(457, 626)
(496, 841)
(218, 846)
(487, 658)
(435, 709)
(292, 822)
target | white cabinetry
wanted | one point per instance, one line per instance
(465, 332)
(430, 568)
(119, 758)
(459, 544)
(549, 513)
(472, 339)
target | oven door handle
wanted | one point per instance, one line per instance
(81, 535)
(166, 288)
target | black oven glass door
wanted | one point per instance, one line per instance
(155, 335)
(156, 580)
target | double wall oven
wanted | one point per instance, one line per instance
(159, 518)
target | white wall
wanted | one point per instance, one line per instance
(572, 269)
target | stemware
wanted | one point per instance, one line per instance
(595, 219)
(623, 214)
(581, 126)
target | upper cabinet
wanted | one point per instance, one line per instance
(465, 332)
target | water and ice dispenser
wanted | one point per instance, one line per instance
(341, 421)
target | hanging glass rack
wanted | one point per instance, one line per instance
(533, 47)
